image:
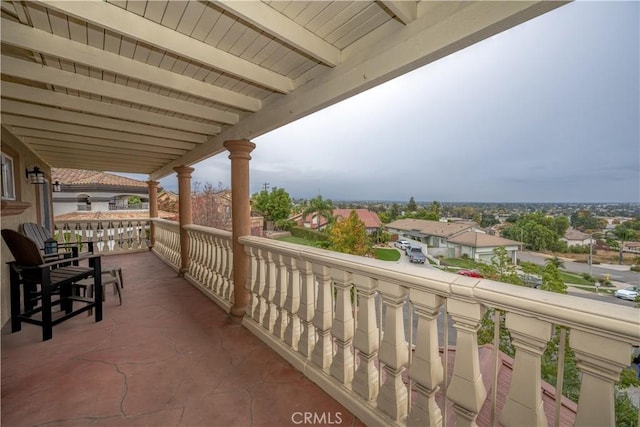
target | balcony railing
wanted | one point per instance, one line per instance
(108, 236)
(374, 335)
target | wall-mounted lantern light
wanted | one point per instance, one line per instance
(35, 175)
(57, 187)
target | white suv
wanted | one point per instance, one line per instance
(402, 244)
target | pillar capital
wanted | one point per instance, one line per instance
(239, 148)
(184, 171)
(152, 184)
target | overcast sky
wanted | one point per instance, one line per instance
(545, 112)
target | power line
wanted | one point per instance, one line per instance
(265, 187)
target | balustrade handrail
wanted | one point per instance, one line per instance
(623, 322)
(164, 222)
(208, 230)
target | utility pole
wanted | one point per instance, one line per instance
(265, 187)
(590, 251)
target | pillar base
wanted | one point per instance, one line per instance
(182, 272)
(237, 313)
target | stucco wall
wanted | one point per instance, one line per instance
(23, 159)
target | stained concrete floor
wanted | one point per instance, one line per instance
(167, 357)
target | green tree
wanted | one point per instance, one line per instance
(551, 280)
(538, 231)
(623, 234)
(321, 208)
(274, 206)
(349, 236)
(436, 210)
(394, 212)
(411, 206)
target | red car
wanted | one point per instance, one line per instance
(470, 273)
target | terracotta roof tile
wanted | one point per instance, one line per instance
(84, 177)
(481, 240)
(369, 218)
(431, 228)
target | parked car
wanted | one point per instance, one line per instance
(416, 255)
(470, 273)
(629, 293)
(402, 244)
(530, 280)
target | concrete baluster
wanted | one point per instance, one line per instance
(466, 389)
(600, 360)
(366, 339)
(342, 328)
(258, 286)
(323, 350)
(307, 309)
(280, 296)
(426, 366)
(269, 319)
(292, 303)
(529, 337)
(394, 352)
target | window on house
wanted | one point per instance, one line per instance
(8, 178)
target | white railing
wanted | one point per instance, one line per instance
(107, 236)
(210, 263)
(303, 306)
(167, 241)
(383, 357)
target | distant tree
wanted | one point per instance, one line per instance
(394, 212)
(488, 219)
(349, 236)
(321, 208)
(274, 206)
(623, 234)
(411, 206)
(422, 213)
(538, 231)
(211, 206)
(584, 219)
(436, 210)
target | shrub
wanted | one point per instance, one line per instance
(307, 233)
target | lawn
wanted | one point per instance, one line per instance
(576, 279)
(386, 254)
(458, 262)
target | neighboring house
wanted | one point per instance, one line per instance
(168, 201)
(576, 238)
(370, 219)
(434, 233)
(480, 246)
(83, 190)
(312, 220)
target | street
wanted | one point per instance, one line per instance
(630, 277)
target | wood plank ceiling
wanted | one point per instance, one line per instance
(143, 86)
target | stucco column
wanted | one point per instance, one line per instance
(153, 210)
(184, 203)
(241, 220)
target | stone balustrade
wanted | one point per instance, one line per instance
(210, 263)
(374, 334)
(108, 236)
(346, 323)
(167, 241)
